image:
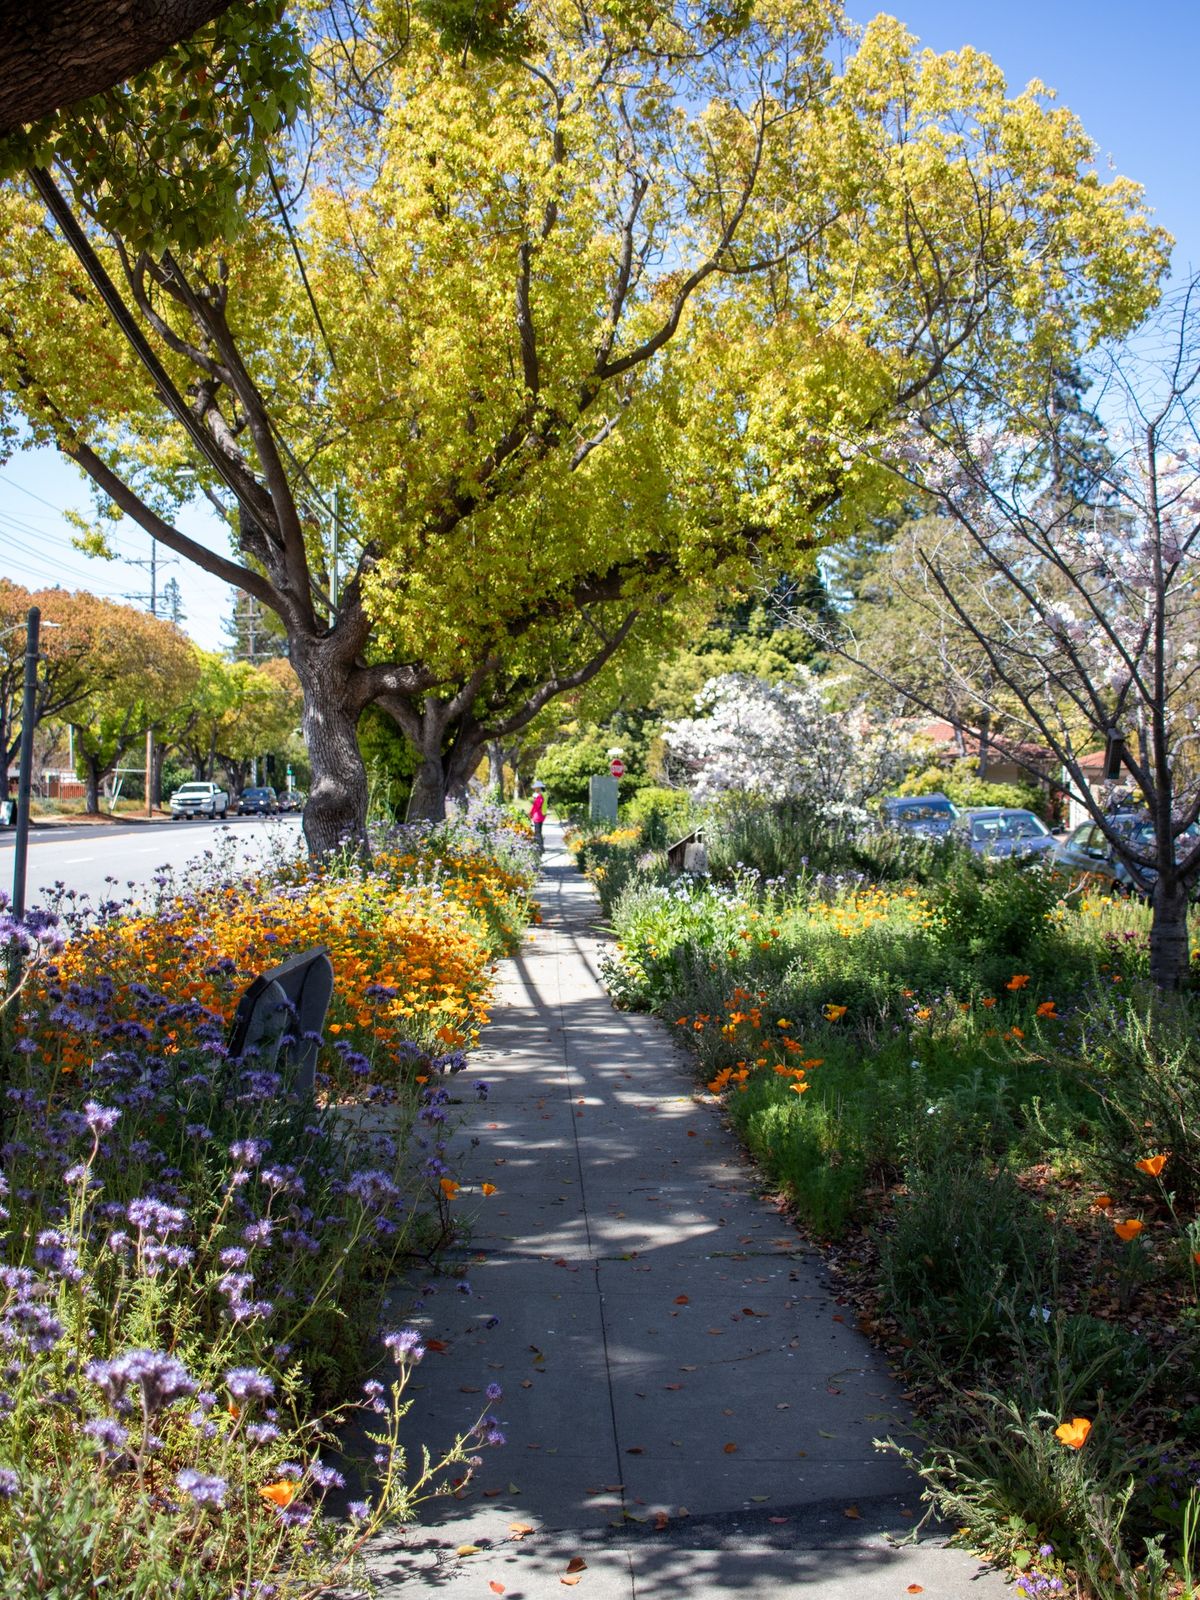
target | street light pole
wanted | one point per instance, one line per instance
(25, 769)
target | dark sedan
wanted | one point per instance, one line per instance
(264, 802)
(929, 815)
(997, 831)
(1086, 855)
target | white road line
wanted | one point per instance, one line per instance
(74, 861)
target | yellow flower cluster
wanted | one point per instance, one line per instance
(412, 944)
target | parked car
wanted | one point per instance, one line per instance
(261, 801)
(930, 815)
(199, 800)
(1087, 855)
(291, 800)
(1004, 831)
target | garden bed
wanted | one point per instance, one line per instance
(195, 1257)
(965, 1091)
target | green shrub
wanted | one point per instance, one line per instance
(1139, 1055)
(786, 840)
(660, 815)
(962, 1243)
(1001, 909)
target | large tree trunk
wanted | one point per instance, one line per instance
(157, 762)
(93, 777)
(424, 726)
(336, 814)
(495, 755)
(54, 52)
(427, 799)
(236, 773)
(462, 763)
(1169, 953)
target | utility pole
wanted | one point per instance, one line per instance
(151, 563)
(25, 769)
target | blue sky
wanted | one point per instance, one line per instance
(1127, 71)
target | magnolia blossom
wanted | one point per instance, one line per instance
(781, 741)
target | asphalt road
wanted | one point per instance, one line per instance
(86, 856)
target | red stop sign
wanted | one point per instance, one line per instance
(617, 767)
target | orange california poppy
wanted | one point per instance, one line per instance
(280, 1494)
(1129, 1229)
(1104, 1201)
(448, 1187)
(1073, 1433)
(834, 1013)
(1017, 981)
(1046, 1009)
(488, 1189)
(1152, 1165)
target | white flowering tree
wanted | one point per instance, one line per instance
(1083, 607)
(782, 741)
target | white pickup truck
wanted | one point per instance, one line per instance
(199, 800)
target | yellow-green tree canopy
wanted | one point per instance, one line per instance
(523, 338)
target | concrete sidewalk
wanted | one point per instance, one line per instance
(687, 1409)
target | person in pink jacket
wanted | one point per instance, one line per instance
(537, 814)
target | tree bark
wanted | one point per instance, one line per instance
(427, 799)
(156, 773)
(495, 755)
(461, 764)
(336, 814)
(54, 52)
(1169, 952)
(92, 778)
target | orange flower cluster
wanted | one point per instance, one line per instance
(744, 1015)
(411, 942)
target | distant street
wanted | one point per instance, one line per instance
(85, 855)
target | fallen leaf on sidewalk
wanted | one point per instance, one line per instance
(729, 1449)
(915, 1588)
(779, 1520)
(576, 1564)
(467, 1550)
(681, 1300)
(519, 1530)
(496, 1588)
(660, 1520)
(666, 1386)
(634, 1450)
(570, 1582)
(439, 1345)
(853, 1513)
